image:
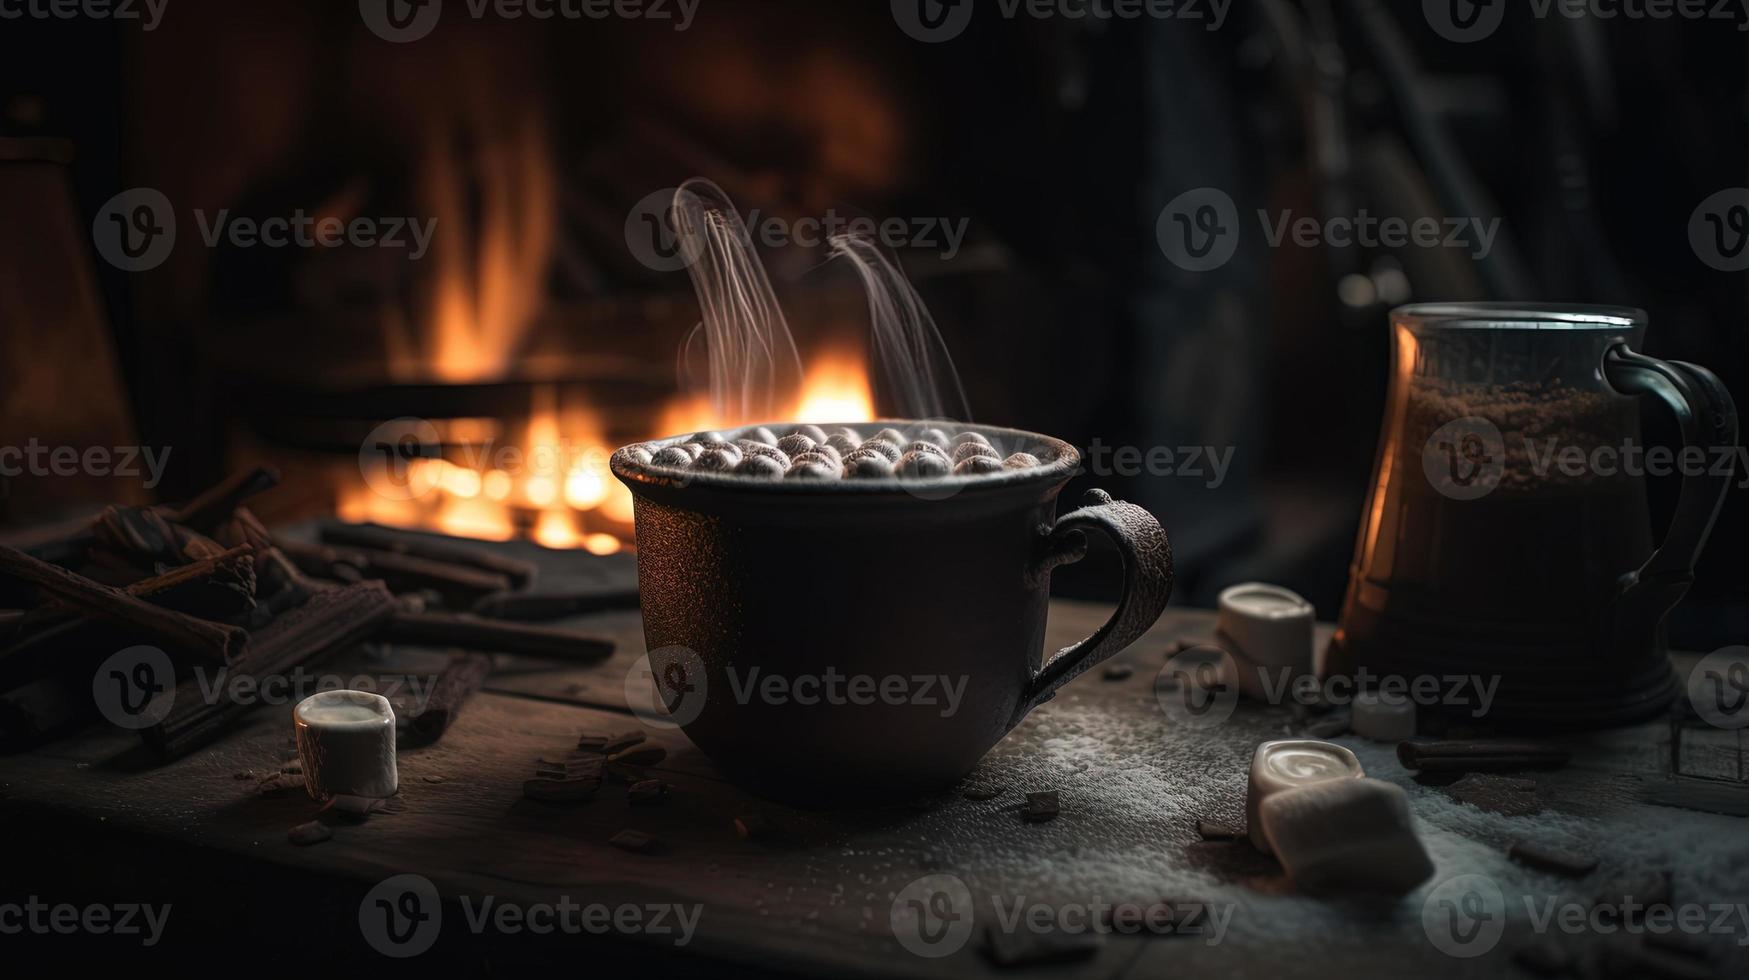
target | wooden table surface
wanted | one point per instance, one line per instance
(816, 897)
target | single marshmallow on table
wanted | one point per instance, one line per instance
(1346, 834)
(1381, 718)
(346, 744)
(1266, 628)
(1288, 764)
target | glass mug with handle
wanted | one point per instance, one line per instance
(1507, 533)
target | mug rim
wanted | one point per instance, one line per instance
(1519, 316)
(1067, 460)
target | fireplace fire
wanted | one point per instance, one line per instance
(545, 477)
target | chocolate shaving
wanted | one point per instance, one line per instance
(635, 841)
(639, 755)
(1040, 807)
(648, 791)
(619, 743)
(305, 834)
(1211, 831)
(1552, 860)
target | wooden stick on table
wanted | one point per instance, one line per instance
(473, 633)
(211, 641)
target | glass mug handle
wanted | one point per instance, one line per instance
(1708, 418)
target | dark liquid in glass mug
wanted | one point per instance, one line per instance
(1506, 530)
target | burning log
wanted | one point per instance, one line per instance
(329, 622)
(210, 641)
(374, 537)
(458, 682)
(473, 633)
(459, 585)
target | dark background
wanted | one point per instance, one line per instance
(1060, 141)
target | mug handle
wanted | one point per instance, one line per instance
(1708, 418)
(1147, 584)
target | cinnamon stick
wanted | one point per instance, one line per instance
(374, 537)
(1480, 756)
(329, 622)
(146, 535)
(207, 640)
(473, 633)
(534, 606)
(213, 507)
(461, 585)
(217, 588)
(460, 679)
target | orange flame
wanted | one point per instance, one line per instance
(496, 206)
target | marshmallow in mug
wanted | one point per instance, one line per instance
(1287, 764)
(1265, 628)
(346, 745)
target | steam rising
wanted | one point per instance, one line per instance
(753, 367)
(749, 358)
(913, 358)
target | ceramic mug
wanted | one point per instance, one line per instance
(835, 641)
